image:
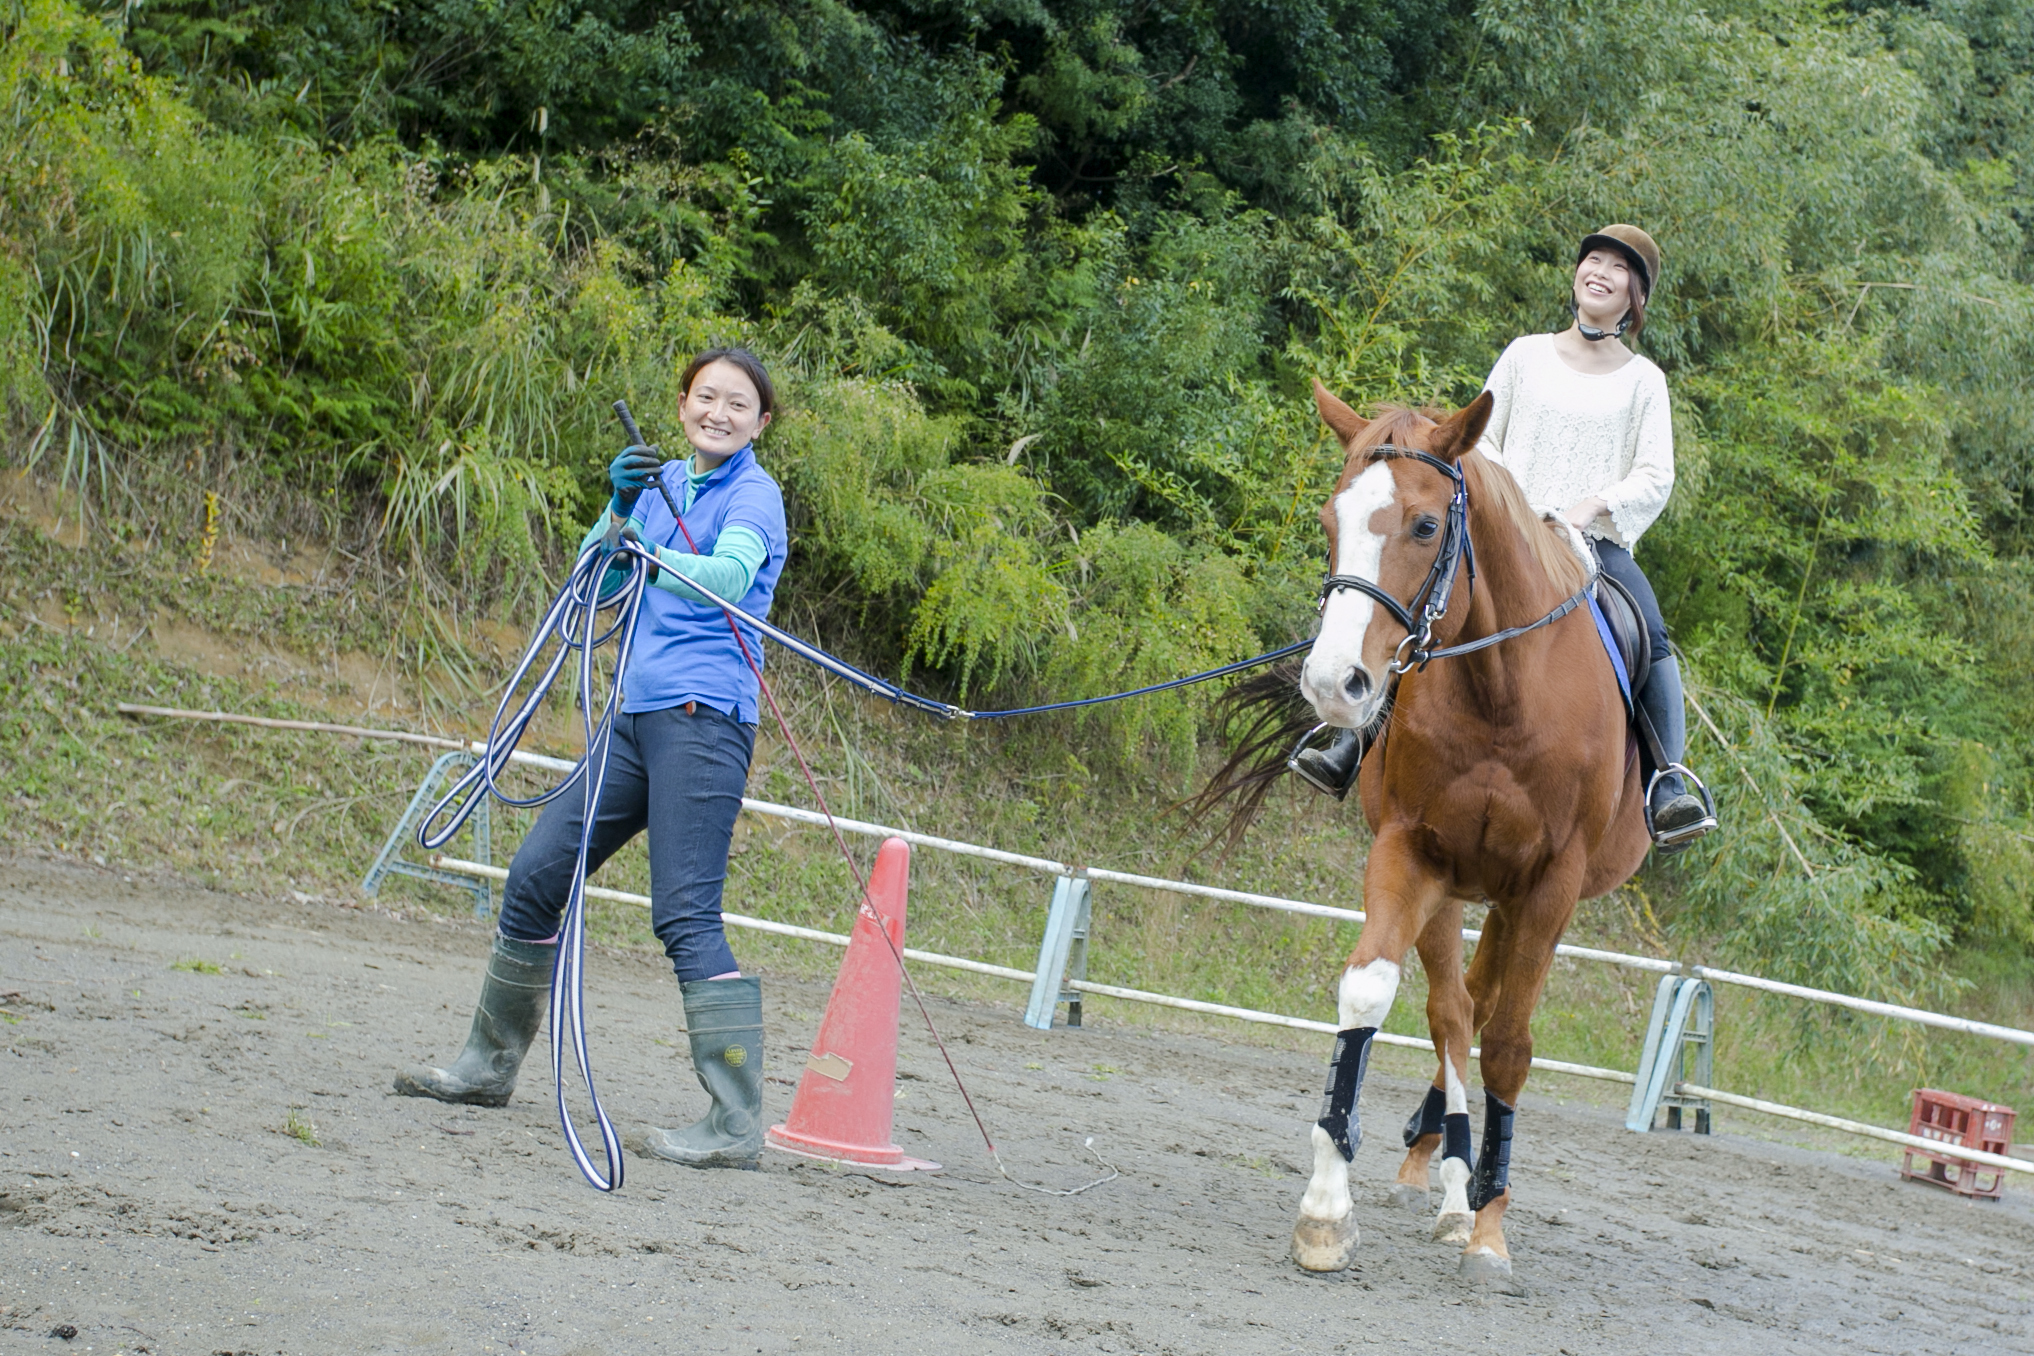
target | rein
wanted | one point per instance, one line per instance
(1430, 603)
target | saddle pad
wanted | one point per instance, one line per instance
(1610, 648)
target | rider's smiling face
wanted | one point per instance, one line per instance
(1603, 288)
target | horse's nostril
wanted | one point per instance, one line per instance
(1357, 684)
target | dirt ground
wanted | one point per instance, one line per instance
(152, 1197)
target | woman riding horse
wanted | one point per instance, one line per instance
(1501, 772)
(1582, 423)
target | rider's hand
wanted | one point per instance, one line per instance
(1587, 511)
(631, 473)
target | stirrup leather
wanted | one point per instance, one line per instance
(1299, 769)
(1687, 833)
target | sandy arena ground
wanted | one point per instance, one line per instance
(150, 1198)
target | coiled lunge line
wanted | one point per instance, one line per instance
(574, 621)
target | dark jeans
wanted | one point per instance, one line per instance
(1618, 564)
(679, 776)
(1661, 696)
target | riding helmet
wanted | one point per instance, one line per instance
(1634, 244)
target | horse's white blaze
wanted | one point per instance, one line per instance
(1339, 647)
(1366, 993)
(1328, 1190)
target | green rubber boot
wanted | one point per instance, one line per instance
(725, 1020)
(513, 1000)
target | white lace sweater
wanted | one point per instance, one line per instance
(1566, 435)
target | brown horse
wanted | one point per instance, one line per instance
(1504, 774)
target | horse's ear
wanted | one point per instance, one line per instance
(1460, 430)
(1348, 424)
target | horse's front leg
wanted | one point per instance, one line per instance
(1440, 948)
(1400, 895)
(1457, 1007)
(1533, 929)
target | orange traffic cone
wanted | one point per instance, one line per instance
(843, 1108)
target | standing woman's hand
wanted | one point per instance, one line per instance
(631, 473)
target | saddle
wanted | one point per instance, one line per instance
(1622, 629)
(1624, 634)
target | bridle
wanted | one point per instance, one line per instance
(1430, 603)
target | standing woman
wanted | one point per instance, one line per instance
(1583, 424)
(677, 765)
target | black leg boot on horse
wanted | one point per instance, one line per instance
(1676, 816)
(724, 1018)
(513, 999)
(1325, 1237)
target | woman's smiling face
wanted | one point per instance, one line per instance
(722, 412)
(1603, 287)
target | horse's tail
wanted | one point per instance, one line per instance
(1259, 720)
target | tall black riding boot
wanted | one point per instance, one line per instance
(1678, 817)
(724, 1018)
(512, 1002)
(1332, 769)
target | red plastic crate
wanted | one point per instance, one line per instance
(1967, 1123)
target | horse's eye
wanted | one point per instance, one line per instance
(1424, 529)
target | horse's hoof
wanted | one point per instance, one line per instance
(1485, 1267)
(1406, 1196)
(1324, 1244)
(1454, 1228)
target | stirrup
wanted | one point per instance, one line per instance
(1299, 769)
(1673, 840)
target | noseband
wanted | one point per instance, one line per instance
(1430, 604)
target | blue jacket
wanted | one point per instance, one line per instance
(685, 651)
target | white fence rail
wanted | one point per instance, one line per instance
(1074, 871)
(481, 871)
(1047, 866)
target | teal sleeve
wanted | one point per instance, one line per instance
(730, 571)
(610, 581)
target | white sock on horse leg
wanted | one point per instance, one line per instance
(1455, 1170)
(1327, 1195)
(1366, 993)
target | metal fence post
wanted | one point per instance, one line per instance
(1062, 955)
(1695, 1060)
(1077, 951)
(1683, 1023)
(390, 861)
(1639, 1116)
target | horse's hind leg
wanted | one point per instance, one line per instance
(1422, 1137)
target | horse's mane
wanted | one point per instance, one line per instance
(1550, 543)
(1262, 717)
